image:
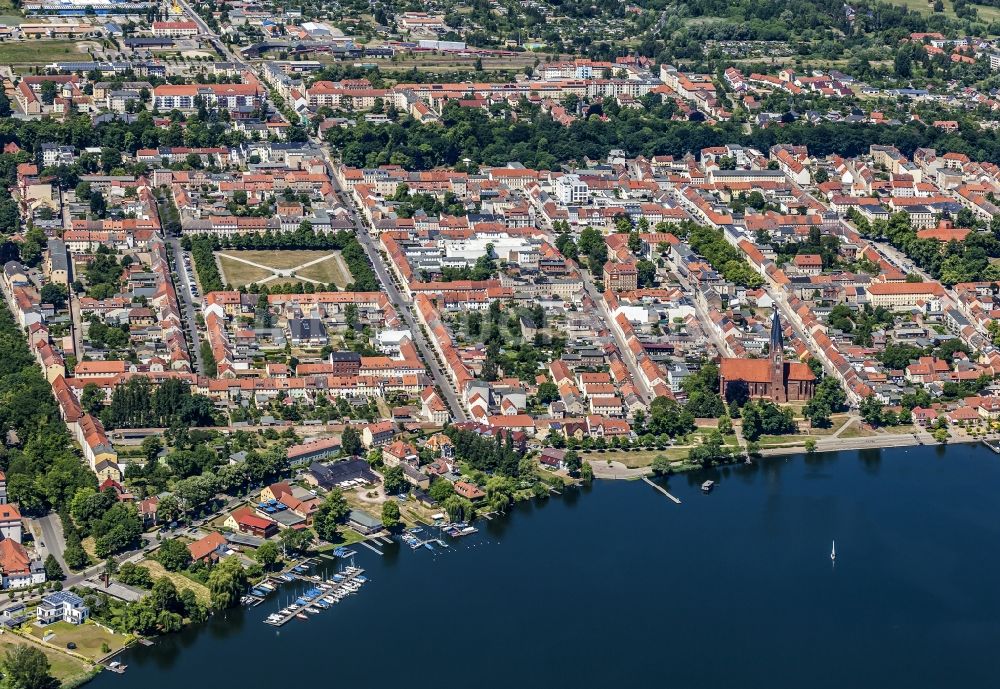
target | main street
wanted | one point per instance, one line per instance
(627, 356)
(703, 317)
(404, 306)
(186, 300)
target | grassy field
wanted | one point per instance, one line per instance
(65, 668)
(857, 431)
(636, 458)
(331, 270)
(180, 581)
(37, 52)
(88, 547)
(429, 62)
(89, 638)
(318, 266)
(985, 13)
(238, 274)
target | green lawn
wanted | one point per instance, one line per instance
(37, 52)
(781, 440)
(181, 580)
(636, 458)
(67, 669)
(986, 14)
(89, 638)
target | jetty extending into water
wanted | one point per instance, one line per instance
(662, 490)
(321, 596)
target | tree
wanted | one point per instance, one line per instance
(296, 540)
(662, 465)
(390, 514)
(169, 509)
(163, 595)
(151, 447)
(669, 418)
(810, 445)
(440, 490)
(267, 554)
(27, 667)
(226, 583)
(459, 509)
(573, 462)
(76, 557)
(394, 481)
(53, 570)
(871, 410)
(49, 90)
(547, 392)
(92, 398)
(725, 425)
(132, 574)
(173, 555)
(332, 512)
(647, 273)
(941, 435)
(55, 294)
(350, 441)
(587, 472)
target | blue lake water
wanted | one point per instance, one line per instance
(616, 586)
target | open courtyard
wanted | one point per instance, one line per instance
(244, 267)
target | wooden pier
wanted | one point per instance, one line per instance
(371, 547)
(328, 589)
(662, 490)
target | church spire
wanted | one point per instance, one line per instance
(778, 392)
(777, 341)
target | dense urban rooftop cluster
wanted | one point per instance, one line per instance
(268, 267)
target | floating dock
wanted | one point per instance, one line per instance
(371, 547)
(313, 600)
(662, 490)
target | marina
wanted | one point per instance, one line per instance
(322, 594)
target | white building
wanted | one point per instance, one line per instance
(62, 605)
(10, 522)
(570, 189)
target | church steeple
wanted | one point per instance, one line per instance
(777, 341)
(778, 392)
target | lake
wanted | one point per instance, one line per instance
(616, 586)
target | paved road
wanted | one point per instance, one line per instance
(213, 37)
(406, 311)
(187, 302)
(426, 351)
(709, 326)
(781, 300)
(627, 356)
(52, 536)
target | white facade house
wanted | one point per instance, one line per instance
(570, 189)
(62, 605)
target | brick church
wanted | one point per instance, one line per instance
(772, 378)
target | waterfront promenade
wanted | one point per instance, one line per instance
(615, 470)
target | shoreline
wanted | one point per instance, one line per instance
(617, 471)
